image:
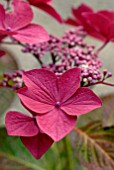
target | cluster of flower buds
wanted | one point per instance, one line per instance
(70, 51)
(54, 45)
(12, 80)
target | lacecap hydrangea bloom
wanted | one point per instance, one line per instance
(56, 102)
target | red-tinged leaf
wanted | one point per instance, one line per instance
(108, 110)
(94, 144)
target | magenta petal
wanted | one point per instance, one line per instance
(35, 100)
(83, 101)
(5, 32)
(82, 8)
(100, 25)
(20, 17)
(43, 81)
(78, 12)
(71, 21)
(50, 10)
(2, 53)
(37, 145)
(2, 16)
(18, 124)
(57, 124)
(108, 14)
(32, 34)
(2, 37)
(111, 32)
(69, 83)
(34, 2)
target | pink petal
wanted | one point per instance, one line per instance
(78, 12)
(50, 10)
(82, 8)
(32, 34)
(35, 100)
(69, 82)
(5, 32)
(44, 81)
(111, 32)
(2, 16)
(108, 14)
(34, 2)
(83, 101)
(99, 25)
(2, 37)
(20, 17)
(71, 21)
(37, 145)
(57, 124)
(2, 53)
(18, 124)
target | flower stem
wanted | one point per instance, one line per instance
(38, 59)
(19, 43)
(102, 46)
(53, 58)
(100, 82)
(68, 153)
(9, 43)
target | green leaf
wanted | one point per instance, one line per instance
(14, 155)
(7, 64)
(94, 144)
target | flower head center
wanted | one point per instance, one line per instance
(57, 104)
(8, 28)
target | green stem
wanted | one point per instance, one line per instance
(68, 153)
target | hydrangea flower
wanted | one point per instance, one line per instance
(26, 127)
(78, 17)
(17, 24)
(46, 6)
(98, 24)
(56, 101)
